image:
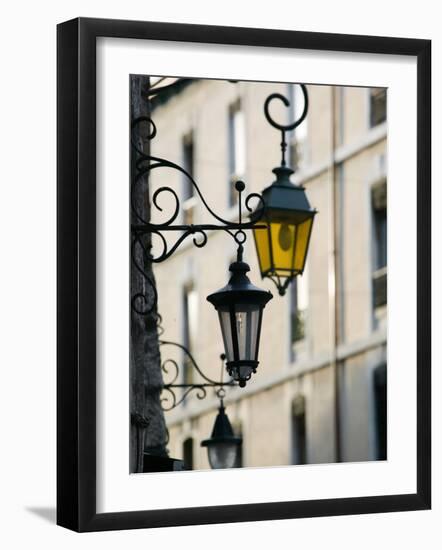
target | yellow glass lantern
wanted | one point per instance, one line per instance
(282, 245)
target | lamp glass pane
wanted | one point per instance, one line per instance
(263, 247)
(224, 319)
(247, 317)
(282, 239)
(302, 240)
(255, 325)
(222, 455)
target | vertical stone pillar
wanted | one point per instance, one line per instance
(148, 428)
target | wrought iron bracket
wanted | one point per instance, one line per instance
(145, 164)
(143, 131)
(172, 399)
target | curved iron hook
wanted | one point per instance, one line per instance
(192, 359)
(168, 163)
(296, 123)
(201, 393)
(166, 371)
(165, 254)
(149, 137)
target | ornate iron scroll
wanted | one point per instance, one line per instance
(145, 164)
(283, 128)
(171, 369)
(141, 229)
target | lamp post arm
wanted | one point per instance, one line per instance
(170, 402)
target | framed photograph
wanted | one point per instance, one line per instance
(244, 304)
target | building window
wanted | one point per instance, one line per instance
(378, 106)
(380, 405)
(379, 214)
(297, 151)
(188, 163)
(298, 309)
(299, 432)
(188, 453)
(190, 322)
(237, 149)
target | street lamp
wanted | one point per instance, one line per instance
(282, 226)
(282, 248)
(240, 306)
(223, 445)
(285, 211)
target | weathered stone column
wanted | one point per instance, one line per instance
(148, 428)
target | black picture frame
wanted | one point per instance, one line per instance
(76, 274)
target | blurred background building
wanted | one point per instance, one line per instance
(320, 392)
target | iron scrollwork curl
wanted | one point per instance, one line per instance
(169, 403)
(283, 128)
(144, 130)
(145, 164)
(143, 303)
(295, 123)
(170, 398)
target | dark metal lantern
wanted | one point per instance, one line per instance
(240, 305)
(282, 247)
(223, 445)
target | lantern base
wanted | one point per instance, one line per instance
(282, 279)
(241, 371)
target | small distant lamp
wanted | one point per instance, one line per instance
(223, 445)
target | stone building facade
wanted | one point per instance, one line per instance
(320, 391)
